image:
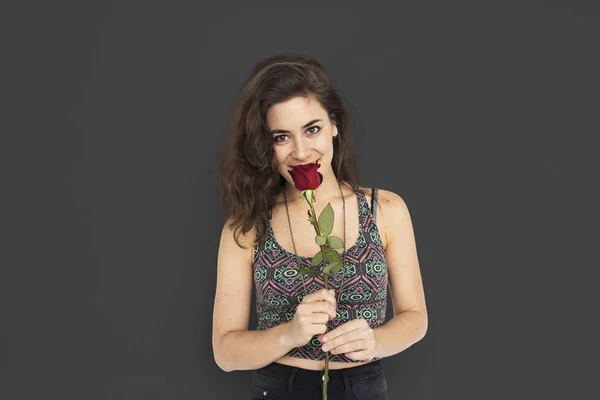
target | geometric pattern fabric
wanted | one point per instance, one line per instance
(279, 289)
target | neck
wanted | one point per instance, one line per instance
(327, 190)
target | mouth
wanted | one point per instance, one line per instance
(314, 162)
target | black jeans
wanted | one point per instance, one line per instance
(283, 382)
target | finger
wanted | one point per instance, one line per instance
(324, 307)
(329, 296)
(318, 329)
(341, 340)
(320, 318)
(349, 326)
(349, 347)
(331, 293)
(362, 355)
(320, 295)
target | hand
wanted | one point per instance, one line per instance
(355, 339)
(311, 317)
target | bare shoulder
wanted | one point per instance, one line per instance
(388, 201)
(391, 200)
(391, 209)
(243, 247)
(228, 235)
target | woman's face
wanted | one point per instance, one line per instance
(302, 134)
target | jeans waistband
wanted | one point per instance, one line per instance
(342, 376)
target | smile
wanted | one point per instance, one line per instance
(314, 162)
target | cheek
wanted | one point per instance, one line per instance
(279, 157)
(327, 148)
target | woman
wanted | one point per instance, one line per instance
(289, 115)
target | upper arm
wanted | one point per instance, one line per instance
(401, 255)
(234, 285)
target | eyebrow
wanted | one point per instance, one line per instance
(304, 127)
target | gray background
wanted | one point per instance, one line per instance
(479, 114)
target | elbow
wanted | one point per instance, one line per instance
(222, 365)
(420, 323)
(220, 361)
(424, 325)
(219, 356)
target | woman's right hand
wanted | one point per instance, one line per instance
(311, 317)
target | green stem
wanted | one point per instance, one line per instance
(315, 224)
(326, 381)
(314, 219)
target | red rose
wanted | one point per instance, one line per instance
(306, 177)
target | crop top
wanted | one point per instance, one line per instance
(279, 287)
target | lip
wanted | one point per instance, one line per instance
(314, 162)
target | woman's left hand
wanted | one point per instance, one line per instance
(355, 339)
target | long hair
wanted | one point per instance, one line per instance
(248, 177)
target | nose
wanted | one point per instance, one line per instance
(300, 151)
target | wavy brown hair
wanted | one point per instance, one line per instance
(248, 178)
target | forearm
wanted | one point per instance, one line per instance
(399, 333)
(248, 350)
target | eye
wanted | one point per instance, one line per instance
(276, 138)
(314, 126)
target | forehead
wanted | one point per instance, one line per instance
(294, 112)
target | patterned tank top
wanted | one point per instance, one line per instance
(279, 287)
